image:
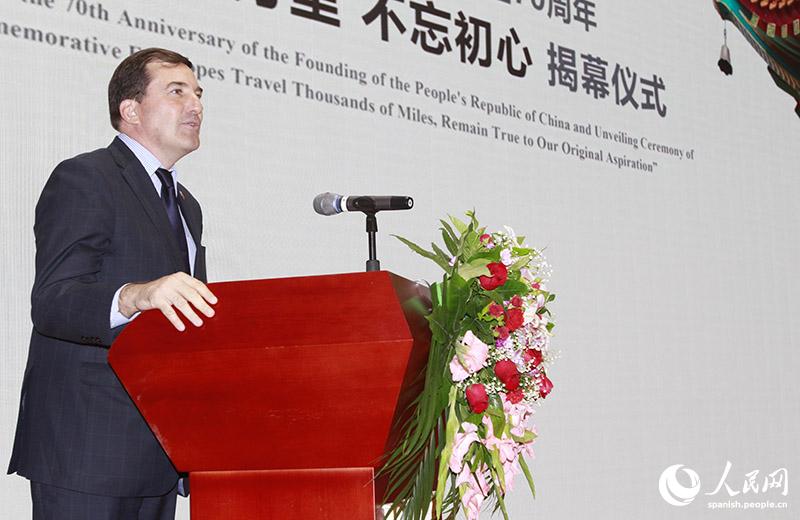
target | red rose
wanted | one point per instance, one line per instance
(485, 238)
(495, 310)
(499, 275)
(516, 301)
(545, 385)
(515, 396)
(477, 398)
(533, 355)
(514, 319)
(502, 332)
(506, 371)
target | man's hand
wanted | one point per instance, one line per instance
(171, 292)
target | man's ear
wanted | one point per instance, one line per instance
(127, 111)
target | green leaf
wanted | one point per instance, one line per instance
(472, 218)
(474, 269)
(450, 238)
(444, 257)
(520, 263)
(496, 415)
(499, 475)
(492, 255)
(448, 230)
(508, 290)
(427, 254)
(414, 247)
(437, 323)
(527, 473)
(498, 467)
(478, 307)
(436, 294)
(471, 243)
(444, 459)
(458, 224)
(528, 436)
(456, 294)
(474, 418)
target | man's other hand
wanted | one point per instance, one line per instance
(169, 294)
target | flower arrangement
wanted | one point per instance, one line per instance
(487, 368)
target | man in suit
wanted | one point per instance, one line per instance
(115, 236)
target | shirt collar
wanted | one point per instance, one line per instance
(148, 160)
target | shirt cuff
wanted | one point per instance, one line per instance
(117, 318)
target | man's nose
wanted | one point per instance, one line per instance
(196, 105)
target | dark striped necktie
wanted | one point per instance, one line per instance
(173, 213)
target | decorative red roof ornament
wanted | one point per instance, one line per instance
(773, 29)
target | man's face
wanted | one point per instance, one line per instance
(170, 112)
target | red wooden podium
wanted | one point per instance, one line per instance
(281, 405)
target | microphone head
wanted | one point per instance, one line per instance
(328, 203)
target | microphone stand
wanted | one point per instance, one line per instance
(373, 264)
(331, 204)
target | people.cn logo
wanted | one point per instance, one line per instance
(675, 493)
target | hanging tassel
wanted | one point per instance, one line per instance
(724, 62)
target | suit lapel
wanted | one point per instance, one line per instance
(139, 181)
(191, 218)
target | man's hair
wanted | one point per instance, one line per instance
(130, 79)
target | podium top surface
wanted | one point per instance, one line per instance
(311, 310)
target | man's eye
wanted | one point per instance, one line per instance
(176, 91)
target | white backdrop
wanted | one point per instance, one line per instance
(675, 311)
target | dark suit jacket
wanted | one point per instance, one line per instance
(99, 224)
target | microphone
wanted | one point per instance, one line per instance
(332, 203)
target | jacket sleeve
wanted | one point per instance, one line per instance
(74, 227)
